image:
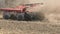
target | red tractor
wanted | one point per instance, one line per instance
(19, 13)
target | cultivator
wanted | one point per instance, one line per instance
(19, 13)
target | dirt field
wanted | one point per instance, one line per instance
(28, 27)
(51, 24)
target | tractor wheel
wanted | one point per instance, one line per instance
(6, 16)
(20, 17)
(28, 16)
(33, 16)
(13, 17)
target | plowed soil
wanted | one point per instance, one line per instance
(28, 27)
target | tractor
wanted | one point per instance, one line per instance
(19, 13)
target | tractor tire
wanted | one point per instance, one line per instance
(20, 17)
(13, 17)
(34, 16)
(6, 16)
(27, 16)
